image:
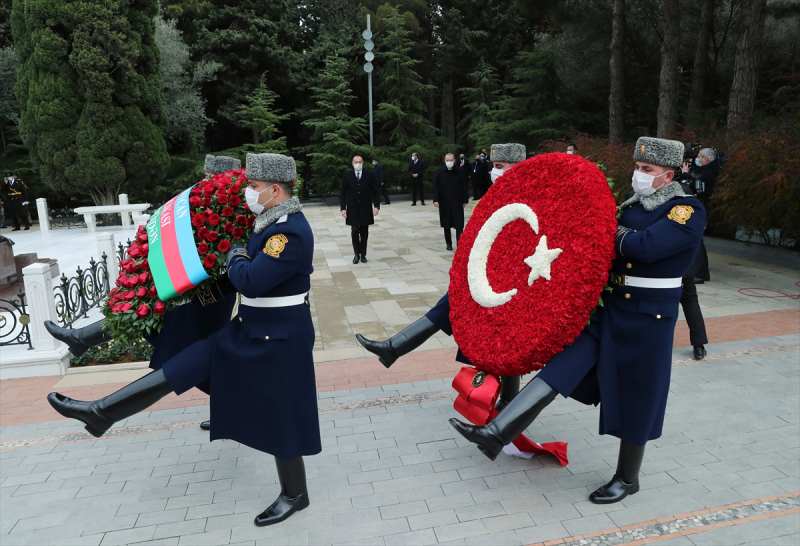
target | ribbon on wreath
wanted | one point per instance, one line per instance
(477, 401)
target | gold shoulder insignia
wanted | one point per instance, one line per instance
(275, 245)
(680, 213)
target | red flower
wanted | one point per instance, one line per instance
(143, 310)
(116, 308)
(145, 248)
(238, 232)
(213, 219)
(211, 236)
(222, 197)
(224, 245)
(141, 237)
(134, 251)
(128, 295)
(126, 307)
(202, 248)
(144, 277)
(207, 201)
(198, 220)
(151, 291)
(525, 332)
(141, 292)
(159, 307)
(227, 212)
(241, 220)
(195, 201)
(228, 228)
(210, 261)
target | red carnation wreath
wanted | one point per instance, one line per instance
(220, 220)
(517, 327)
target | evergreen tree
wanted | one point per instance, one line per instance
(89, 92)
(401, 110)
(262, 118)
(478, 102)
(9, 110)
(336, 135)
(529, 110)
(184, 106)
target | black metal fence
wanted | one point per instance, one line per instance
(14, 320)
(75, 296)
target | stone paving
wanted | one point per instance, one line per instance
(392, 472)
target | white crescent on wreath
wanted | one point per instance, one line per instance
(540, 261)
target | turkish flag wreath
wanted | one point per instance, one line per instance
(532, 263)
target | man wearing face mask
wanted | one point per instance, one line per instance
(359, 202)
(449, 196)
(622, 359)
(260, 365)
(416, 168)
(504, 156)
(208, 311)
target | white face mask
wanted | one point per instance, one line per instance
(496, 173)
(449, 164)
(251, 198)
(358, 166)
(570, 152)
(698, 161)
(643, 183)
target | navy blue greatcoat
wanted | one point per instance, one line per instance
(263, 390)
(622, 360)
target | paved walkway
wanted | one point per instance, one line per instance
(726, 471)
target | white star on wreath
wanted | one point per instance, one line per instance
(541, 260)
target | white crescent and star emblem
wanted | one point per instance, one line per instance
(540, 261)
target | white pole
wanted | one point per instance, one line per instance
(105, 243)
(126, 216)
(369, 87)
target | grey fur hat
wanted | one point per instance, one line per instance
(508, 153)
(220, 163)
(271, 168)
(659, 151)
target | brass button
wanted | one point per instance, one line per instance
(266, 337)
(627, 295)
(658, 316)
(629, 265)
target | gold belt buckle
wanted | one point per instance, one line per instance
(618, 279)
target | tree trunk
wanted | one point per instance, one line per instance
(745, 70)
(668, 79)
(616, 95)
(448, 115)
(700, 67)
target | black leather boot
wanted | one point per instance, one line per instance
(404, 341)
(100, 414)
(364, 259)
(79, 340)
(294, 495)
(205, 425)
(626, 480)
(699, 352)
(517, 415)
(509, 387)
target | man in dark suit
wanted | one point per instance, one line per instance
(480, 175)
(359, 203)
(449, 196)
(416, 168)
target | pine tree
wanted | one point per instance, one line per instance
(401, 112)
(89, 92)
(478, 102)
(9, 111)
(262, 117)
(336, 135)
(529, 110)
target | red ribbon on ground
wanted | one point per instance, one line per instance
(476, 400)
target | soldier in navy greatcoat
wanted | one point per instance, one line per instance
(622, 360)
(260, 365)
(195, 319)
